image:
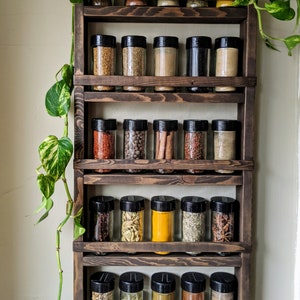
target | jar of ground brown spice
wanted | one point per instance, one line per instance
(223, 286)
(103, 58)
(193, 286)
(104, 140)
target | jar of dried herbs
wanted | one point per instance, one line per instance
(102, 286)
(103, 58)
(195, 141)
(165, 59)
(193, 286)
(134, 58)
(223, 286)
(227, 59)
(131, 286)
(132, 218)
(223, 218)
(163, 286)
(165, 141)
(198, 50)
(225, 140)
(135, 140)
(104, 140)
(196, 3)
(102, 208)
(194, 210)
(162, 219)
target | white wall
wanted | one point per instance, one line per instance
(34, 44)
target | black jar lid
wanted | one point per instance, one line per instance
(102, 203)
(225, 125)
(100, 124)
(133, 41)
(165, 125)
(223, 282)
(223, 204)
(163, 203)
(131, 282)
(195, 125)
(135, 125)
(198, 42)
(165, 41)
(193, 204)
(102, 282)
(132, 203)
(228, 42)
(163, 282)
(193, 282)
(103, 40)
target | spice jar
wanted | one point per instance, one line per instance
(196, 3)
(198, 49)
(132, 218)
(195, 141)
(193, 219)
(135, 3)
(193, 286)
(104, 140)
(134, 58)
(227, 58)
(167, 2)
(102, 286)
(165, 59)
(165, 141)
(131, 286)
(163, 286)
(162, 219)
(103, 58)
(101, 208)
(223, 215)
(223, 286)
(224, 3)
(101, 2)
(224, 135)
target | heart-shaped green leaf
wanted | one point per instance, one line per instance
(280, 9)
(67, 75)
(291, 42)
(46, 184)
(46, 204)
(79, 230)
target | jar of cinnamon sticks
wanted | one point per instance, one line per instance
(165, 141)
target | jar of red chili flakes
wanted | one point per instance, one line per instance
(104, 140)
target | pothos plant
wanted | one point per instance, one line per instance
(55, 153)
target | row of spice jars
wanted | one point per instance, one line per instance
(198, 63)
(165, 140)
(223, 222)
(223, 286)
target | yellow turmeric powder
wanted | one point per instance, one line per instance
(224, 3)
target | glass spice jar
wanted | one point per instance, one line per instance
(167, 2)
(223, 286)
(198, 50)
(103, 58)
(132, 218)
(135, 140)
(165, 141)
(102, 208)
(193, 286)
(224, 140)
(196, 3)
(104, 140)
(135, 3)
(195, 141)
(162, 219)
(224, 3)
(194, 211)
(102, 286)
(101, 2)
(163, 286)
(134, 58)
(227, 59)
(131, 286)
(165, 59)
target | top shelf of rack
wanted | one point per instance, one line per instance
(143, 14)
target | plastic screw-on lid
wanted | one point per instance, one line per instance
(102, 203)
(133, 41)
(223, 282)
(227, 42)
(103, 40)
(193, 282)
(102, 282)
(100, 124)
(165, 125)
(193, 204)
(163, 203)
(195, 125)
(223, 204)
(163, 282)
(135, 125)
(132, 203)
(198, 42)
(131, 282)
(165, 41)
(225, 125)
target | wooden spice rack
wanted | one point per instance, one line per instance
(241, 179)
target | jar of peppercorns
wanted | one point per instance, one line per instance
(104, 140)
